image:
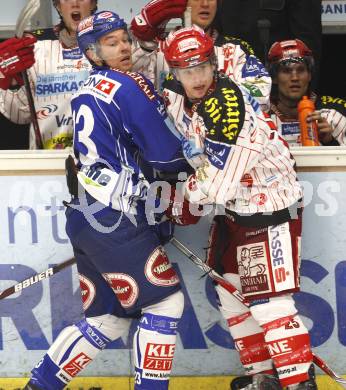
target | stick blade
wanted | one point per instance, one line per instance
(324, 367)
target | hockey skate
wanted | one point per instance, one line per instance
(307, 385)
(256, 382)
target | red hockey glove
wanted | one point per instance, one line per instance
(16, 55)
(7, 82)
(181, 211)
(151, 22)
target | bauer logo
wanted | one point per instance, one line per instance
(34, 279)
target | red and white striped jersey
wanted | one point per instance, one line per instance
(248, 167)
(332, 109)
(56, 75)
(236, 60)
(338, 123)
(234, 57)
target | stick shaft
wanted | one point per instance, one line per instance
(25, 16)
(36, 278)
(187, 22)
(209, 271)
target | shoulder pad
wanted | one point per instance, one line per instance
(223, 112)
(224, 39)
(171, 84)
(43, 34)
(330, 102)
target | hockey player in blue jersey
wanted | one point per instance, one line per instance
(123, 269)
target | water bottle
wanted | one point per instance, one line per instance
(308, 131)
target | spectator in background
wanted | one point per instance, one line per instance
(13, 136)
(58, 71)
(284, 19)
(291, 66)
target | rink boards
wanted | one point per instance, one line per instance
(33, 238)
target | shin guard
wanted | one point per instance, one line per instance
(250, 344)
(286, 337)
(74, 349)
(154, 344)
(247, 334)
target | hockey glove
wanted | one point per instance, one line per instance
(180, 211)
(150, 23)
(164, 229)
(16, 55)
(71, 176)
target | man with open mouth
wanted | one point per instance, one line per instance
(56, 69)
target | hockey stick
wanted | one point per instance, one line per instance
(238, 295)
(187, 17)
(324, 367)
(209, 271)
(26, 14)
(36, 278)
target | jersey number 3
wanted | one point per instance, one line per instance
(85, 115)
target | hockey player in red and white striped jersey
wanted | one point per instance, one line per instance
(235, 56)
(291, 65)
(247, 169)
(59, 70)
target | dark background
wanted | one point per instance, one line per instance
(333, 70)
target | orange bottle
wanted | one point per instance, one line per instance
(308, 131)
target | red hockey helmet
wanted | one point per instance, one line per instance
(188, 47)
(293, 50)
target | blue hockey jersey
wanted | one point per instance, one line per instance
(119, 119)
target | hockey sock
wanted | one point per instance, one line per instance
(247, 334)
(75, 347)
(154, 344)
(286, 337)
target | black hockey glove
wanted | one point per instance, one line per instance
(71, 176)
